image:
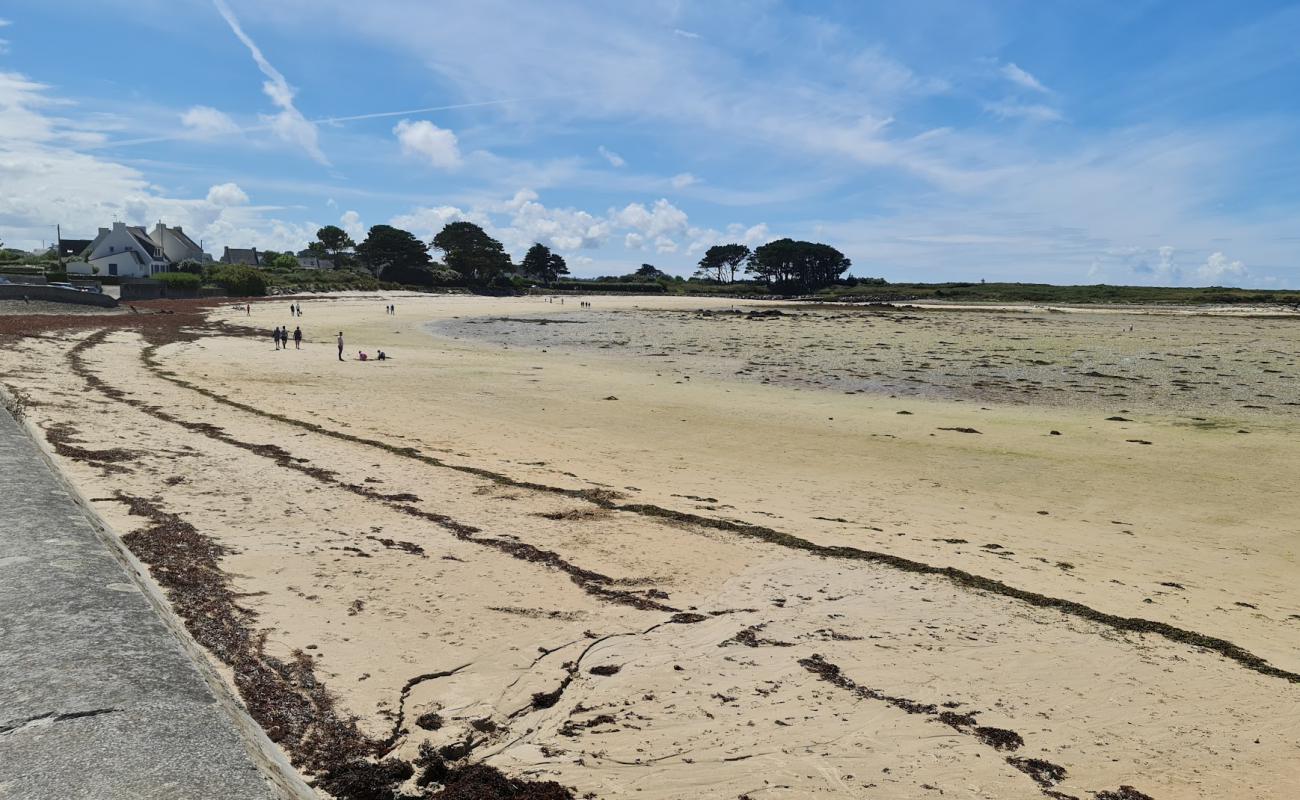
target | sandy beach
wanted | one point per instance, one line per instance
(676, 547)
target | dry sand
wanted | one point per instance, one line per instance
(734, 522)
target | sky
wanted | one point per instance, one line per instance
(1132, 142)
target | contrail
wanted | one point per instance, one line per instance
(290, 125)
(321, 121)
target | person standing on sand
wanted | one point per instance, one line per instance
(297, 338)
(275, 334)
(340, 345)
(248, 309)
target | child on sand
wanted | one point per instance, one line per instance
(340, 345)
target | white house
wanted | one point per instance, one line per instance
(124, 251)
(175, 245)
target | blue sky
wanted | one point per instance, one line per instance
(1121, 142)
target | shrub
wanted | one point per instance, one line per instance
(240, 281)
(179, 281)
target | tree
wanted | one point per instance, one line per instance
(191, 266)
(240, 281)
(314, 250)
(470, 251)
(335, 240)
(284, 262)
(540, 263)
(797, 266)
(650, 272)
(722, 261)
(390, 252)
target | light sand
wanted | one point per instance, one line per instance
(732, 704)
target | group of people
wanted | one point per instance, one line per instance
(390, 309)
(295, 309)
(282, 335)
(584, 304)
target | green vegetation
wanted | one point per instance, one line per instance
(179, 281)
(239, 281)
(722, 261)
(1048, 293)
(396, 255)
(477, 257)
(543, 265)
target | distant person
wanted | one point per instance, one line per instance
(297, 338)
(340, 345)
(361, 355)
(248, 309)
(383, 356)
(275, 334)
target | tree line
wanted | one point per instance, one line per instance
(784, 264)
(472, 257)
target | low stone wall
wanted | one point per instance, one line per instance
(55, 294)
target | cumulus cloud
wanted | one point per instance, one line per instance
(562, 228)
(634, 241)
(661, 219)
(1218, 269)
(46, 180)
(426, 141)
(351, 223)
(426, 221)
(227, 194)
(609, 155)
(684, 179)
(289, 125)
(1022, 78)
(208, 121)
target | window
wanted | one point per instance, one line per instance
(112, 269)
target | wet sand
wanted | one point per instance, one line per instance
(647, 551)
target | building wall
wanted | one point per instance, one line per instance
(55, 294)
(116, 248)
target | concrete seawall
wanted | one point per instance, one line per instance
(99, 697)
(55, 294)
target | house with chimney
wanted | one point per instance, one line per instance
(128, 251)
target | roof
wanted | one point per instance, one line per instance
(235, 255)
(183, 238)
(74, 247)
(143, 239)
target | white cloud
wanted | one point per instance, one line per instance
(290, 125)
(634, 241)
(47, 181)
(424, 140)
(562, 228)
(425, 222)
(684, 179)
(1032, 111)
(685, 34)
(227, 194)
(609, 155)
(663, 244)
(351, 222)
(208, 121)
(662, 218)
(1217, 270)
(1022, 78)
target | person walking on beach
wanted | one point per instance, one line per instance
(340, 345)
(248, 309)
(297, 338)
(275, 334)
